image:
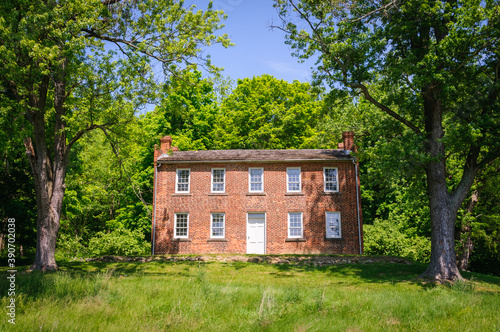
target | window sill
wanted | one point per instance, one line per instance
(256, 194)
(330, 193)
(295, 194)
(182, 194)
(295, 239)
(217, 194)
(333, 238)
(217, 240)
(181, 240)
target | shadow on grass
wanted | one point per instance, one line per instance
(378, 273)
(76, 279)
(355, 273)
(373, 273)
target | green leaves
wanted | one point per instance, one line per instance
(266, 113)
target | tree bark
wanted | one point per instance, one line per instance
(49, 193)
(443, 264)
(46, 237)
(48, 169)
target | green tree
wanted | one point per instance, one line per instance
(266, 113)
(66, 83)
(188, 110)
(437, 64)
(17, 197)
(110, 175)
(479, 228)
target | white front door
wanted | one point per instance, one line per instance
(256, 233)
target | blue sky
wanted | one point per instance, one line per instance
(259, 50)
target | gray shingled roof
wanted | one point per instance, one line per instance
(254, 155)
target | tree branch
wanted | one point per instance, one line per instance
(393, 3)
(110, 2)
(92, 33)
(78, 135)
(384, 108)
(137, 191)
(326, 50)
(469, 173)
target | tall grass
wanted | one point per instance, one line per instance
(194, 296)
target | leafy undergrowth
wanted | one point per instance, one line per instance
(242, 296)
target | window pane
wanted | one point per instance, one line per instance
(181, 224)
(218, 187)
(295, 224)
(256, 186)
(183, 180)
(293, 175)
(217, 224)
(330, 174)
(331, 179)
(217, 232)
(256, 175)
(183, 176)
(218, 180)
(332, 224)
(331, 186)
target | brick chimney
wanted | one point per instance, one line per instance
(347, 141)
(165, 147)
(166, 143)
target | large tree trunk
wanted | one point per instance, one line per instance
(443, 203)
(49, 190)
(443, 264)
(48, 169)
(46, 236)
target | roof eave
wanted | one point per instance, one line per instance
(219, 161)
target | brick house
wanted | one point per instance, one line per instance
(256, 201)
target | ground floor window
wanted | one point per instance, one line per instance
(333, 225)
(295, 226)
(181, 229)
(217, 225)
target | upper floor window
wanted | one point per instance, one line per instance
(217, 228)
(295, 226)
(182, 180)
(333, 225)
(293, 179)
(331, 178)
(181, 229)
(218, 180)
(256, 179)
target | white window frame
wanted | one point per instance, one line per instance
(177, 180)
(336, 179)
(301, 225)
(223, 181)
(223, 225)
(328, 234)
(176, 236)
(250, 180)
(288, 182)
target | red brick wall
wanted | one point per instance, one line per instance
(276, 203)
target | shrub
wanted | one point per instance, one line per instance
(69, 246)
(385, 238)
(121, 241)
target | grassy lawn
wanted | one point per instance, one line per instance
(237, 296)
